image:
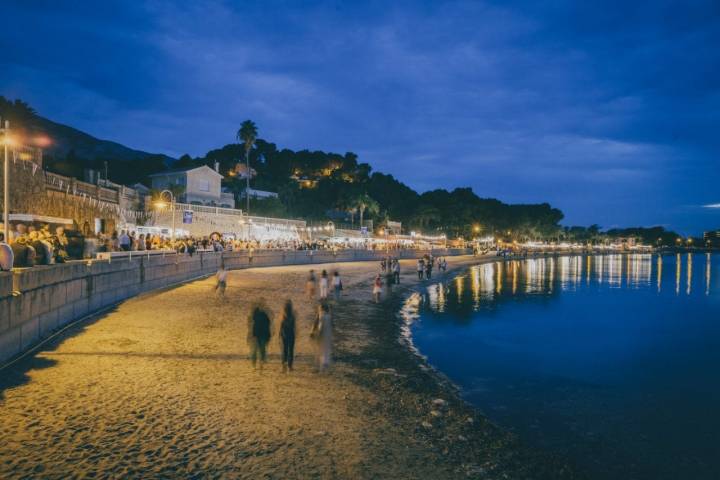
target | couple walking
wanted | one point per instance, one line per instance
(260, 332)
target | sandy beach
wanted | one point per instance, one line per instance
(161, 387)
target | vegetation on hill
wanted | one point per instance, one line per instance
(70, 151)
(319, 186)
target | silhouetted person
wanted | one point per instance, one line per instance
(396, 271)
(337, 284)
(258, 334)
(288, 325)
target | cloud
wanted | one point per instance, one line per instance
(591, 107)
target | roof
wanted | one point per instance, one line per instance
(182, 170)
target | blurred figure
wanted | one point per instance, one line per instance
(337, 284)
(23, 254)
(221, 281)
(377, 288)
(287, 335)
(258, 334)
(6, 255)
(324, 285)
(310, 286)
(396, 271)
(420, 268)
(322, 333)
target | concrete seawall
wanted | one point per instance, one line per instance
(38, 301)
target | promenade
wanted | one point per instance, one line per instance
(160, 386)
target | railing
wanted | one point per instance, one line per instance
(259, 221)
(63, 183)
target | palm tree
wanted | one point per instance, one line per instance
(365, 203)
(247, 135)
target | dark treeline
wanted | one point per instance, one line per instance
(322, 186)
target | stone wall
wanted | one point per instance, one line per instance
(36, 302)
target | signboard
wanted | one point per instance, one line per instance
(187, 216)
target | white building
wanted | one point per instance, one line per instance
(202, 186)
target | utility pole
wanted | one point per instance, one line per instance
(6, 181)
(247, 178)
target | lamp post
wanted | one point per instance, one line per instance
(161, 204)
(6, 181)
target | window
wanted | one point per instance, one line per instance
(203, 185)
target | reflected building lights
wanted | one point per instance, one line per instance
(515, 267)
(475, 286)
(689, 274)
(678, 267)
(659, 272)
(588, 269)
(707, 274)
(460, 288)
(499, 277)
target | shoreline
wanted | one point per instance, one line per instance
(183, 394)
(464, 437)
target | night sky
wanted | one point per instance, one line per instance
(607, 110)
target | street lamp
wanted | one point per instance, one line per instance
(6, 181)
(162, 204)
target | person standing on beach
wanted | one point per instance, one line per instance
(310, 286)
(221, 281)
(337, 284)
(258, 334)
(420, 268)
(287, 335)
(322, 333)
(324, 285)
(396, 271)
(428, 268)
(377, 288)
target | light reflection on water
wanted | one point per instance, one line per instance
(542, 276)
(609, 360)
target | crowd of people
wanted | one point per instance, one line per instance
(29, 246)
(260, 324)
(321, 290)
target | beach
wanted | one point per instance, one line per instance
(160, 386)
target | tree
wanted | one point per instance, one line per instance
(365, 203)
(247, 135)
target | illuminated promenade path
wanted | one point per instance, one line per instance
(161, 387)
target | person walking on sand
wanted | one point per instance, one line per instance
(377, 288)
(287, 335)
(337, 284)
(324, 285)
(428, 268)
(420, 268)
(310, 286)
(396, 271)
(322, 333)
(221, 281)
(258, 334)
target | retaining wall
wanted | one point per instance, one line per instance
(35, 302)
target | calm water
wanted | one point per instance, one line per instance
(612, 361)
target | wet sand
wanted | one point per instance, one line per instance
(161, 387)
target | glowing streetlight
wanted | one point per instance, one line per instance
(6, 180)
(160, 203)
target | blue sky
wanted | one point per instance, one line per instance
(608, 110)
